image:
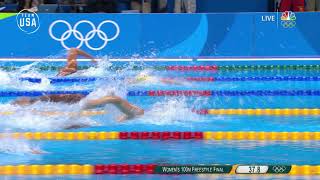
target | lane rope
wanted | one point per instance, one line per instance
(261, 112)
(60, 80)
(223, 135)
(225, 93)
(56, 113)
(247, 112)
(186, 68)
(99, 169)
(174, 93)
(39, 93)
(270, 78)
(55, 80)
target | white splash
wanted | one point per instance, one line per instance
(10, 80)
(24, 118)
(170, 111)
(27, 67)
(18, 147)
(97, 70)
(5, 78)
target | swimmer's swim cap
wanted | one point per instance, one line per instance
(142, 78)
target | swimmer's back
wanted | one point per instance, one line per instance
(63, 98)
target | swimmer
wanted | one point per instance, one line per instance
(72, 65)
(145, 76)
(130, 111)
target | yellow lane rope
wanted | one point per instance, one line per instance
(264, 136)
(60, 169)
(223, 135)
(266, 112)
(62, 135)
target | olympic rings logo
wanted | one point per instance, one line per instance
(288, 24)
(279, 169)
(84, 39)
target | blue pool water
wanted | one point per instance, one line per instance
(162, 114)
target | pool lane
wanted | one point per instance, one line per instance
(170, 152)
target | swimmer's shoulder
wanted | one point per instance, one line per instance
(72, 63)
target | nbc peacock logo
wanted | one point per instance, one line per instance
(288, 19)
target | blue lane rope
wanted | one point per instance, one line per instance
(174, 93)
(68, 79)
(60, 80)
(92, 79)
(39, 93)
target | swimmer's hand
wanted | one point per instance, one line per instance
(76, 126)
(37, 151)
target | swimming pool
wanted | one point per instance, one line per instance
(170, 108)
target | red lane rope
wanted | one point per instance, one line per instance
(180, 93)
(160, 135)
(192, 68)
(125, 169)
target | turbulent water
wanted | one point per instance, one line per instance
(166, 111)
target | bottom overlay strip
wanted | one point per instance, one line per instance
(74, 169)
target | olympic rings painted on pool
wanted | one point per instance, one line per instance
(84, 38)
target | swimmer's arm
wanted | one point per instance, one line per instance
(82, 53)
(25, 101)
(66, 71)
(98, 102)
(124, 106)
(94, 103)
